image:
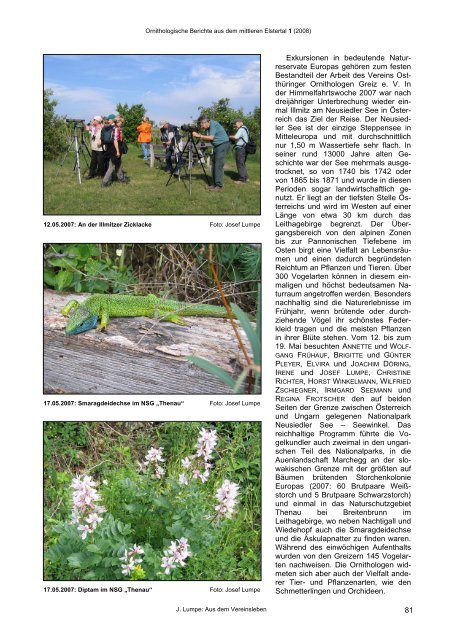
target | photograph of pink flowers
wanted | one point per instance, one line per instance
(152, 501)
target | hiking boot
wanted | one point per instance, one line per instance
(104, 185)
(214, 188)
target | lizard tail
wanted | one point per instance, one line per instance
(207, 310)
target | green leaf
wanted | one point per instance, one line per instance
(92, 561)
(90, 575)
(240, 380)
(86, 250)
(213, 369)
(133, 507)
(63, 279)
(62, 262)
(93, 548)
(110, 562)
(75, 560)
(252, 335)
(49, 278)
(258, 314)
(161, 501)
(127, 482)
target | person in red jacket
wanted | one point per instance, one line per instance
(145, 137)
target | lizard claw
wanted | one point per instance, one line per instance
(175, 320)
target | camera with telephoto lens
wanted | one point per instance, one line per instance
(77, 123)
(189, 128)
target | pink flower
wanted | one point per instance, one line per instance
(153, 457)
(94, 519)
(206, 443)
(131, 557)
(85, 507)
(127, 568)
(85, 529)
(227, 497)
(199, 462)
(168, 564)
(177, 553)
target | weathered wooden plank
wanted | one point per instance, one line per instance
(135, 355)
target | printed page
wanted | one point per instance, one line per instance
(227, 320)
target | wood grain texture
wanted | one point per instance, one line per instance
(135, 355)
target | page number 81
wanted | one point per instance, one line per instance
(407, 609)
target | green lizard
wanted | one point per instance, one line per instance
(101, 307)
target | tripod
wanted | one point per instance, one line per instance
(80, 148)
(192, 151)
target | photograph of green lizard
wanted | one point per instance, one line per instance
(142, 318)
(101, 307)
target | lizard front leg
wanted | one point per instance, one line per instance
(172, 317)
(104, 320)
(72, 304)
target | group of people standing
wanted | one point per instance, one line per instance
(108, 147)
(220, 140)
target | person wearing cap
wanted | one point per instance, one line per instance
(145, 137)
(171, 138)
(240, 139)
(97, 154)
(217, 135)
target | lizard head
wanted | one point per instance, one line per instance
(80, 320)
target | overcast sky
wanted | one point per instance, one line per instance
(169, 86)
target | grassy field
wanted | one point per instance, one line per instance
(147, 192)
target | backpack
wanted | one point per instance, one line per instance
(250, 146)
(107, 134)
(123, 148)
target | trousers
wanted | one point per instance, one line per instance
(114, 165)
(218, 162)
(97, 163)
(241, 159)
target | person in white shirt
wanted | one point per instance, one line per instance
(97, 154)
(240, 139)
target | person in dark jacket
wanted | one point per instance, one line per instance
(114, 153)
(171, 138)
